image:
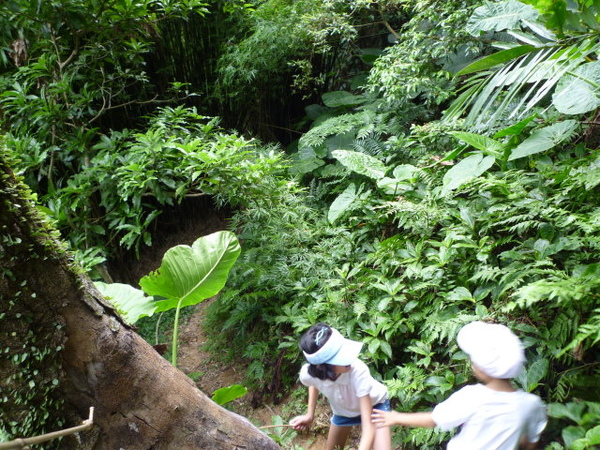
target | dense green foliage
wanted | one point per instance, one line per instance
(453, 175)
(399, 251)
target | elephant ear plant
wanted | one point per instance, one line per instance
(187, 276)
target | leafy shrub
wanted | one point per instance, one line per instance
(133, 175)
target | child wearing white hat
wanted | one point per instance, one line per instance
(334, 370)
(492, 415)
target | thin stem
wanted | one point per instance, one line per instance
(156, 329)
(175, 334)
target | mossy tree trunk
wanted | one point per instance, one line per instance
(64, 349)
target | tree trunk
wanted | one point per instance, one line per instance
(64, 349)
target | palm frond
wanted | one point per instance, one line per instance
(526, 80)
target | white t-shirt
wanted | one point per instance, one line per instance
(343, 393)
(491, 420)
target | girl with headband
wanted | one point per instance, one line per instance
(334, 370)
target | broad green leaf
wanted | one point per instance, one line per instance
(369, 55)
(516, 129)
(313, 112)
(578, 92)
(361, 163)
(500, 16)
(525, 38)
(557, 410)
(342, 98)
(535, 373)
(341, 203)
(129, 301)
(467, 169)
(580, 444)
(305, 161)
(497, 58)
(486, 144)
(386, 348)
(544, 139)
(340, 141)
(392, 186)
(189, 275)
(573, 411)
(572, 433)
(228, 394)
(460, 294)
(593, 435)
(540, 30)
(397, 184)
(404, 172)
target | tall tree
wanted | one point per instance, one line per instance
(64, 349)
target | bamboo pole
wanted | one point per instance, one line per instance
(24, 443)
(274, 426)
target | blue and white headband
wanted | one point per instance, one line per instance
(337, 351)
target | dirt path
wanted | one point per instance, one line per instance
(211, 375)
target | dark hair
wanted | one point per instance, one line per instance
(310, 344)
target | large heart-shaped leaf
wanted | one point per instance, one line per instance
(131, 303)
(189, 275)
(404, 172)
(305, 161)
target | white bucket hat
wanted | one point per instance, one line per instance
(337, 351)
(493, 348)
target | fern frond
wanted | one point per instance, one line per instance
(360, 305)
(561, 330)
(367, 130)
(485, 274)
(523, 226)
(368, 144)
(334, 126)
(442, 329)
(559, 288)
(588, 334)
(518, 274)
(408, 382)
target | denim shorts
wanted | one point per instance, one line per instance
(343, 421)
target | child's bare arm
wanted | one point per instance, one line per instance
(367, 429)
(391, 418)
(302, 422)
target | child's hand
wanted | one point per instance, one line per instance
(301, 422)
(382, 419)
